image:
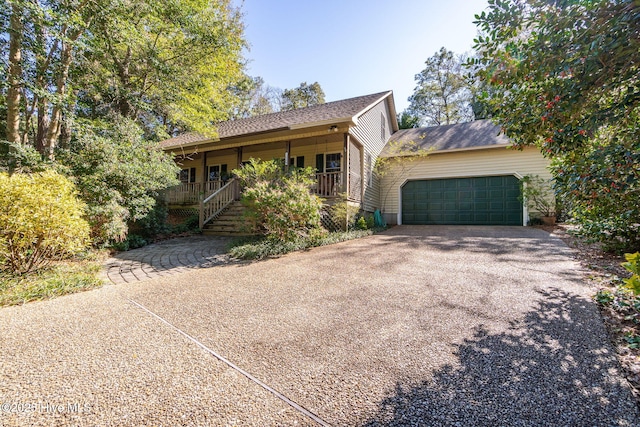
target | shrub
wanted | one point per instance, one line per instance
(279, 204)
(633, 266)
(118, 173)
(538, 194)
(40, 220)
(344, 214)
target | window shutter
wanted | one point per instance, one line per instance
(300, 161)
(320, 162)
(192, 175)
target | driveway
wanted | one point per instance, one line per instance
(419, 325)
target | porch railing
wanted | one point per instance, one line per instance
(328, 184)
(188, 193)
(218, 201)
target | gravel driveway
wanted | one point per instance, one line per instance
(487, 326)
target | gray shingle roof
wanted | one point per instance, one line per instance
(331, 111)
(462, 136)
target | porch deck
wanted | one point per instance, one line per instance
(328, 185)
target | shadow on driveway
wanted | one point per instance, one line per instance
(548, 369)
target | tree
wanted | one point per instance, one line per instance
(408, 121)
(303, 96)
(255, 98)
(166, 64)
(564, 77)
(442, 95)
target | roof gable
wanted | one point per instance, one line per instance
(478, 134)
(330, 112)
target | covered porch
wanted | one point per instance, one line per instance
(336, 158)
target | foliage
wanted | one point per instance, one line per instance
(305, 95)
(633, 265)
(40, 221)
(538, 194)
(167, 65)
(16, 157)
(118, 173)
(55, 280)
(344, 213)
(442, 95)
(279, 202)
(407, 120)
(564, 76)
(256, 249)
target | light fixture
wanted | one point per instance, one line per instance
(333, 128)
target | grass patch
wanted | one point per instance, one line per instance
(256, 248)
(58, 279)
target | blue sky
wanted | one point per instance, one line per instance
(353, 47)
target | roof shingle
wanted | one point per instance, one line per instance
(472, 135)
(336, 110)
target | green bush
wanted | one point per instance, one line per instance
(257, 249)
(41, 220)
(279, 204)
(344, 213)
(118, 173)
(633, 266)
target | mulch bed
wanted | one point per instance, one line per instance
(605, 272)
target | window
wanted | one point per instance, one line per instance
(332, 162)
(297, 161)
(328, 162)
(187, 175)
(216, 172)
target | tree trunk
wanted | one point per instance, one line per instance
(55, 125)
(15, 74)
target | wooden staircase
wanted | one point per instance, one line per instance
(228, 223)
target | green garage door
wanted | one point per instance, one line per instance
(491, 200)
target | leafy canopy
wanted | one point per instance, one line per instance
(564, 76)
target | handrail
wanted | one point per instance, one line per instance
(218, 201)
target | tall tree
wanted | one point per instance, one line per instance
(564, 77)
(442, 95)
(166, 64)
(305, 95)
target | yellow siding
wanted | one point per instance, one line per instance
(496, 161)
(373, 131)
(225, 157)
(310, 147)
(194, 162)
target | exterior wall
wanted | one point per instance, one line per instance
(310, 147)
(224, 157)
(373, 131)
(494, 161)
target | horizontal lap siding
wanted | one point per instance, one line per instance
(371, 133)
(319, 146)
(498, 161)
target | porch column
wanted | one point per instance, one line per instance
(204, 170)
(345, 173)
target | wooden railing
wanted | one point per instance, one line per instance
(211, 206)
(328, 184)
(188, 193)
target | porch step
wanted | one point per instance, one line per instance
(228, 223)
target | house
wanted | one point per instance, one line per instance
(469, 176)
(340, 139)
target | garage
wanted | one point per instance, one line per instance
(487, 200)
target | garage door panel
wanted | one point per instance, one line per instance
(477, 200)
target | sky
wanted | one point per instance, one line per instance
(353, 47)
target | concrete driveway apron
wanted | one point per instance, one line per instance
(416, 326)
